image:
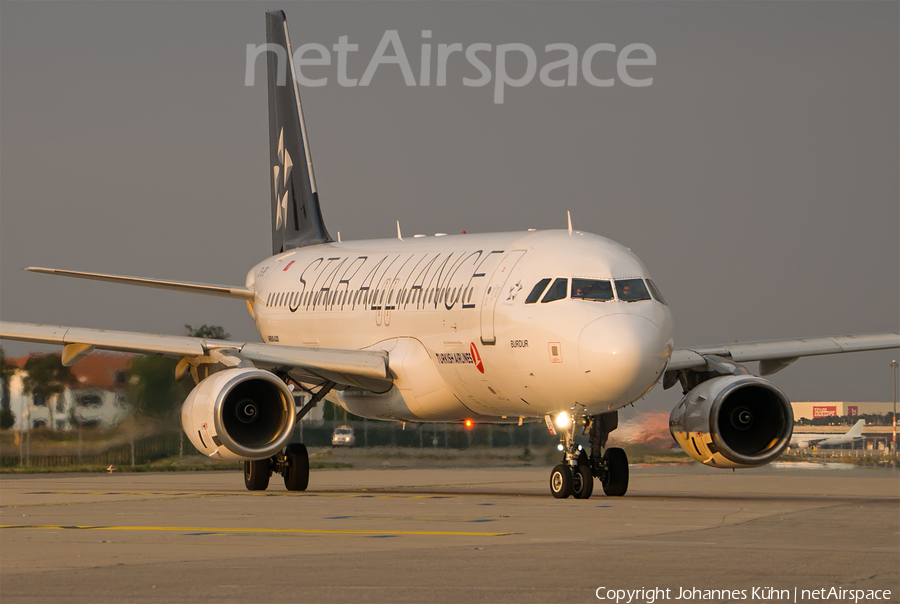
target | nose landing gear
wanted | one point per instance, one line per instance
(575, 475)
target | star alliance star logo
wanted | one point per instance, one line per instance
(514, 291)
(280, 174)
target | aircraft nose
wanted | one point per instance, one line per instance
(622, 355)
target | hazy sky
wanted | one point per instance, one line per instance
(757, 177)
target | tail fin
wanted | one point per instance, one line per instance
(296, 216)
(856, 430)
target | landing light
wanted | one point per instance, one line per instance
(562, 420)
(559, 447)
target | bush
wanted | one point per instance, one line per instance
(7, 419)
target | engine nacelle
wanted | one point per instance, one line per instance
(735, 421)
(241, 413)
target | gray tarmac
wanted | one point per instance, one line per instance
(445, 535)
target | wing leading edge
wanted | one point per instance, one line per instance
(778, 354)
(225, 291)
(360, 368)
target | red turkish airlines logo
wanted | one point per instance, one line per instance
(476, 357)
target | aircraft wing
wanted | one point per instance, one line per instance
(225, 291)
(361, 368)
(812, 442)
(777, 354)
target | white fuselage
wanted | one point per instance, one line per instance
(803, 441)
(452, 313)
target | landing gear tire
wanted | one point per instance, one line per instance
(582, 482)
(615, 482)
(296, 474)
(256, 474)
(561, 481)
(583, 459)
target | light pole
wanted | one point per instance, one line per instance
(894, 383)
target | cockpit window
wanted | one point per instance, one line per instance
(632, 290)
(557, 291)
(535, 294)
(592, 289)
(655, 291)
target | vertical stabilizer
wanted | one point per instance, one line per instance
(296, 215)
(856, 430)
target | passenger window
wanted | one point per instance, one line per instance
(598, 290)
(655, 291)
(557, 291)
(632, 290)
(535, 294)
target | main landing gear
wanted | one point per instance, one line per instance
(575, 475)
(292, 464)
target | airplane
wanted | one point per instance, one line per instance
(557, 326)
(853, 435)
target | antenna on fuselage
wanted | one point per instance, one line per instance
(569, 215)
(339, 236)
(399, 236)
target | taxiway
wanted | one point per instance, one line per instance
(443, 535)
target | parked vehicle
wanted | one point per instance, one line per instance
(343, 437)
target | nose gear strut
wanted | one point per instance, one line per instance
(574, 476)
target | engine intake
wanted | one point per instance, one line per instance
(738, 421)
(241, 413)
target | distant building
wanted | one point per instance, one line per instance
(97, 400)
(813, 410)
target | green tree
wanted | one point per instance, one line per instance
(7, 418)
(153, 391)
(7, 370)
(213, 332)
(45, 377)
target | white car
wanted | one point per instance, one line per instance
(343, 437)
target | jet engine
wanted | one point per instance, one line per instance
(735, 421)
(240, 413)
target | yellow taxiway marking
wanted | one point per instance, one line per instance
(287, 531)
(167, 497)
(142, 499)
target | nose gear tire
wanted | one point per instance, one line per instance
(561, 482)
(582, 482)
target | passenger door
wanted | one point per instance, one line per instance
(492, 295)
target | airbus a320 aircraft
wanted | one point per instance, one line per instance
(559, 326)
(813, 439)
